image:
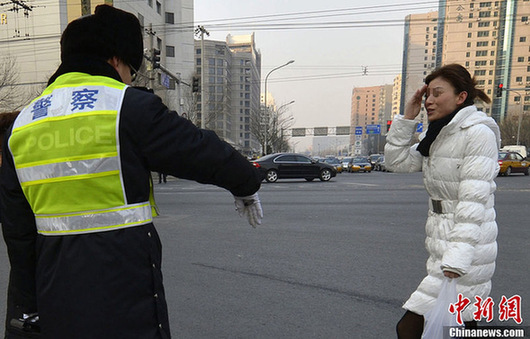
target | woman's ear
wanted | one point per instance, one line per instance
(461, 98)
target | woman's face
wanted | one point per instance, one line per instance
(441, 100)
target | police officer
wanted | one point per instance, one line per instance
(76, 189)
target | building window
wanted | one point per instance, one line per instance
(484, 14)
(467, 54)
(483, 33)
(519, 79)
(158, 7)
(150, 3)
(524, 19)
(522, 39)
(170, 18)
(469, 35)
(484, 24)
(198, 51)
(170, 51)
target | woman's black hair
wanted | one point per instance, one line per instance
(461, 80)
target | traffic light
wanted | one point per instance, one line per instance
(499, 91)
(155, 58)
(195, 84)
(388, 124)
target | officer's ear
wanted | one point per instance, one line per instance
(114, 62)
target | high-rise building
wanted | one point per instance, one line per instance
(30, 32)
(232, 81)
(396, 97)
(419, 55)
(491, 39)
(369, 106)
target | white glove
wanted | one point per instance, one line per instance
(251, 207)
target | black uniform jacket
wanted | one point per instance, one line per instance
(109, 284)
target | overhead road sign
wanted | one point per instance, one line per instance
(320, 131)
(373, 129)
(298, 132)
(343, 130)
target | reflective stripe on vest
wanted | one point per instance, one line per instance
(65, 146)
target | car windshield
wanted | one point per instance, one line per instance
(360, 159)
(347, 160)
(502, 155)
(332, 161)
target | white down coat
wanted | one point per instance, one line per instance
(460, 172)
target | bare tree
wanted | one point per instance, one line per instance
(510, 128)
(272, 128)
(257, 126)
(13, 96)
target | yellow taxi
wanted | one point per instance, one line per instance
(512, 162)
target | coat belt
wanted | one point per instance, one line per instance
(442, 206)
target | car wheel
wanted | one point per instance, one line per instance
(272, 176)
(309, 179)
(508, 171)
(325, 174)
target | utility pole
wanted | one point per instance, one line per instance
(152, 70)
(201, 30)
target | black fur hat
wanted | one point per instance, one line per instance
(107, 33)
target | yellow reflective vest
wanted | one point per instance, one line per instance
(66, 150)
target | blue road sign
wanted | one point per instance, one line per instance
(358, 130)
(419, 128)
(373, 129)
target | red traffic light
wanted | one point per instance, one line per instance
(499, 90)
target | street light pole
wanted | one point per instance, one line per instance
(266, 117)
(520, 115)
(200, 30)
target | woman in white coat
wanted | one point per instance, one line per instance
(458, 157)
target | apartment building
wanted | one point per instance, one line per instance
(370, 106)
(419, 55)
(491, 39)
(232, 78)
(30, 33)
(396, 97)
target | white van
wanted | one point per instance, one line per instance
(515, 148)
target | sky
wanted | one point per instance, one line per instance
(336, 45)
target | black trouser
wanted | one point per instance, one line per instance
(411, 326)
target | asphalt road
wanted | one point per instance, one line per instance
(331, 260)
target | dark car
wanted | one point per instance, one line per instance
(291, 166)
(512, 162)
(380, 164)
(335, 162)
(374, 158)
